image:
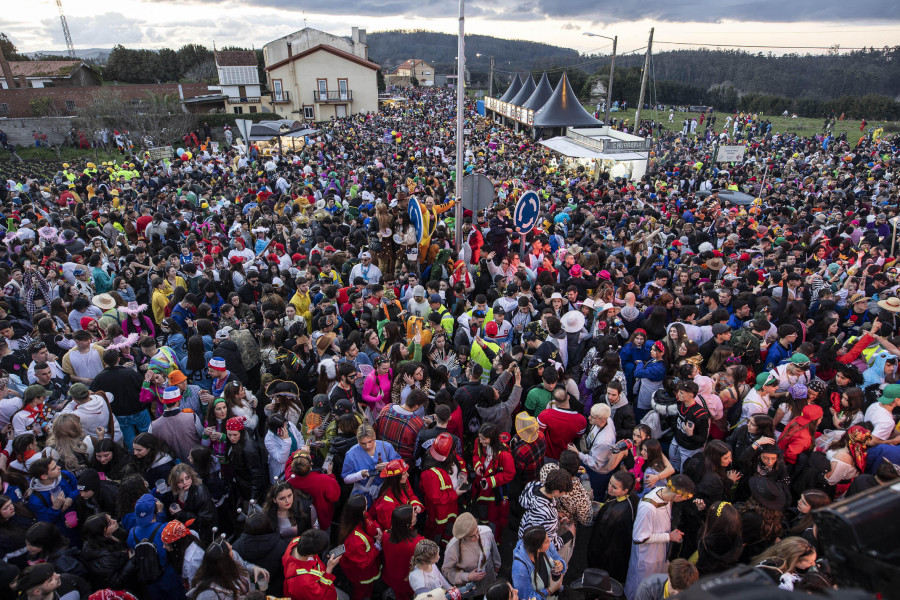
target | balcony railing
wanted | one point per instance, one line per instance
(330, 96)
(244, 100)
(280, 97)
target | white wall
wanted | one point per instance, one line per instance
(299, 79)
(305, 39)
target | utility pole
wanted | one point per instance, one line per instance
(491, 80)
(637, 115)
(612, 70)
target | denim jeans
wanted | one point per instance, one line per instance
(678, 455)
(131, 425)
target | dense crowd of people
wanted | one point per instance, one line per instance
(236, 375)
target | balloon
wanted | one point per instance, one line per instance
(185, 157)
(204, 205)
(189, 155)
(180, 151)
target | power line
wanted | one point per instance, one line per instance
(772, 47)
(584, 64)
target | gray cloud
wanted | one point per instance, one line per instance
(708, 11)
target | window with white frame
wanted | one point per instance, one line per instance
(309, 112)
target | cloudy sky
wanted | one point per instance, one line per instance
(34, 24)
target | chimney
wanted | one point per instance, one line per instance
(290, 49)
(7, 72)
(354, 35)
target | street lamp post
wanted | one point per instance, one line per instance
(460, 105)
(612, 69)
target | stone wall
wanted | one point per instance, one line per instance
(19, 130)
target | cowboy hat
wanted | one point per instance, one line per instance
(715, 263)
(598, 581)
(891, 304)
(572, 321)
(104, 301)
(768, 493)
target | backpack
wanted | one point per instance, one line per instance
(146, 557)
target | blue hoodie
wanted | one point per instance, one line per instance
(874, 375)
(523, 572)
(41, 499)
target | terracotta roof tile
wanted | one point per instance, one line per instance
(236, 58)
(44, 68)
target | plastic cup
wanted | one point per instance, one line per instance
(262, 583)
(71, 518)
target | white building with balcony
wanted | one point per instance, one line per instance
(239, 81)
(316, 76)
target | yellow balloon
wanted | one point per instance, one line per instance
(204, 205)
(189, 155)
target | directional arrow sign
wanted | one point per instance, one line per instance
(415, 217)
(527, 210)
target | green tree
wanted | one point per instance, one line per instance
(43, 107)
(10, 52)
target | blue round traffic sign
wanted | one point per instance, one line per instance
(415, 217)
(528, 209)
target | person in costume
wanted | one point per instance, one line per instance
(653, 531)
(610, 543)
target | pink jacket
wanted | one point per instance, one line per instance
(374, 382)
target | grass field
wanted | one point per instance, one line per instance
(801, 126)
(66, 154)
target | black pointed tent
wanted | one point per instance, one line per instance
(524, 92)
(513, 89)
(563, 109)
(542, 92)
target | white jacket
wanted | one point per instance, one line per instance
(93, 414)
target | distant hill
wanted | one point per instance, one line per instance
(390, 48)
(818, 77)
(94, 55)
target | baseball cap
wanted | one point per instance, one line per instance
(435, 298)
(223, 334)
(144, 509)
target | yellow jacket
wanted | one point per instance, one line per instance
(158, 304)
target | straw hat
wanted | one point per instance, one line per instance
(104, 301)
(856, 298)
(890, 304)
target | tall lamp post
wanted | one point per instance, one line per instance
(460, 118)
(612, 67)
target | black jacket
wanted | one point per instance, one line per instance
(249, 470)
(231, 353)
(108, 565)
(125, 386)
(103, 500)
(199, 506)
(265, 551)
